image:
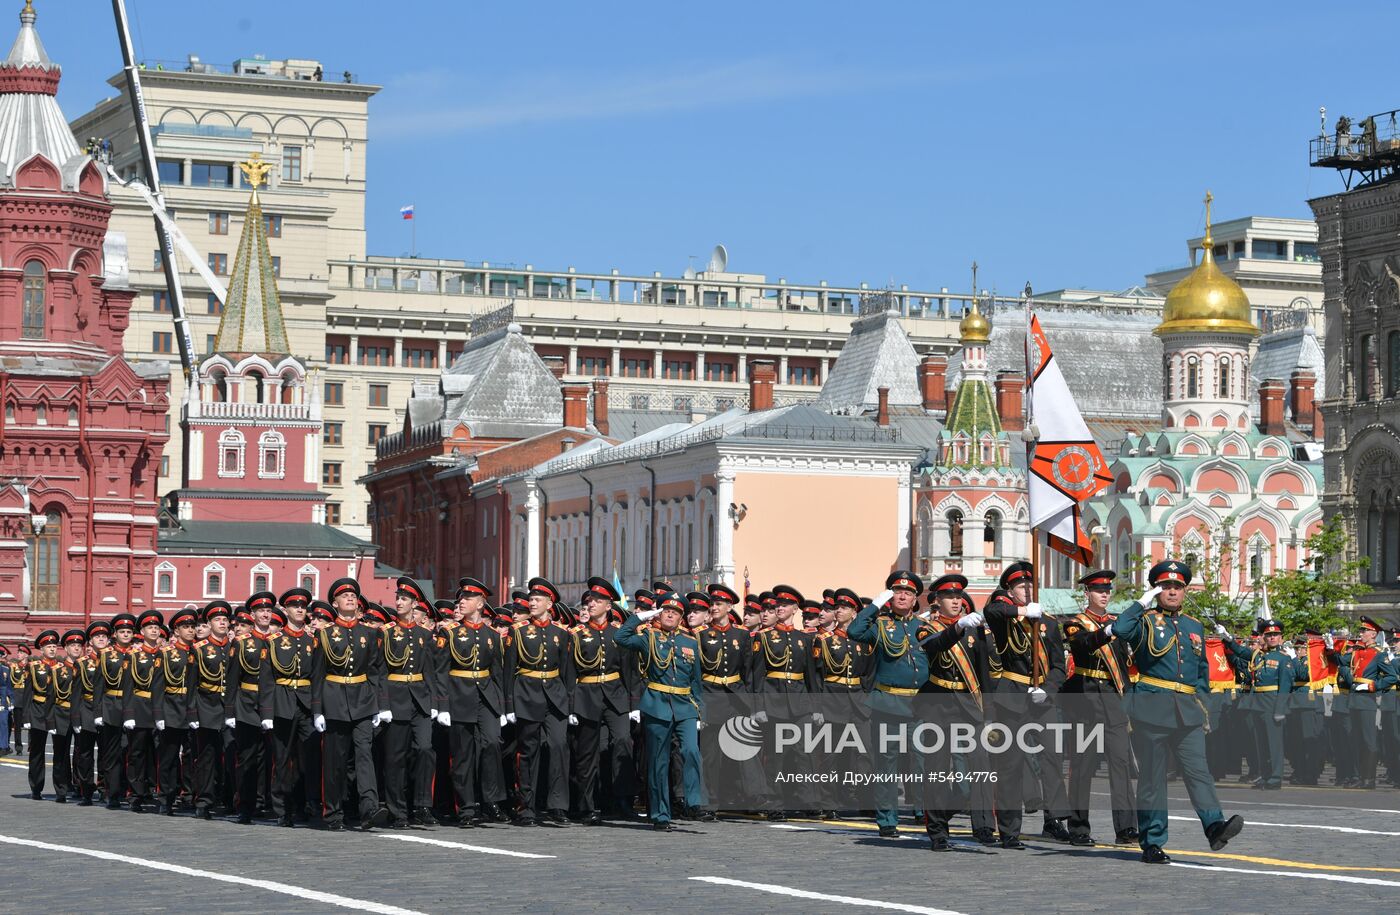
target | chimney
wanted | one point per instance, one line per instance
(566, 444)
(1302, 386)
(950, 396)
(882, 412)
(933, 376)
(1271, 406)
(555, 365)
(762, 375)
(600, 405)
(575, 405)
(1011, 389)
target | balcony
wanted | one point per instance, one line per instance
(235, 410)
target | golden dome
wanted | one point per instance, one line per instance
(1207, 300)
(974, 328)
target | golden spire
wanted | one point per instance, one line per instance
(974, 328)
(255, 170)
(1207, 301)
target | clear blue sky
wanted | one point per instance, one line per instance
(1068, 144)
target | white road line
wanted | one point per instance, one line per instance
(824, 897)
(1231, 802)
(1335, 878)
(286, 889)
(790, 828)
(462, 845)
(1348, 829)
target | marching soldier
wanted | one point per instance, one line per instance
(50, 691)
(211, 659)
(284, 706)
(725, 655)
(7, 700)
(86, 711)
(407, 710)
(671, 703)
(1029, 667)
(1168, 717)
(242, 685)
(173, 695)
(605, 678)
(347, 684)
(1365, 672)
(68, 711)
(957, 665)
(108, 703)
(539, 702)
(471, 663)
(900, 671)
(783, 666)
(1099, 683)
(19, 695)
(1307, 706)
(1271, 682)
(139, 709)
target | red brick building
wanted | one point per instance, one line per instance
(82, 429)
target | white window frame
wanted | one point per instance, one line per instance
(315, 574)
(232, 438)
(273, 441)
(261, 568)
(163, 568)
(223, 580)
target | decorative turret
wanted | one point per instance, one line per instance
(972, 434)
(252, 320)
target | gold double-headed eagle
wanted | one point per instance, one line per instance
(255, 170)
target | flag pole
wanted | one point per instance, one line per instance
(1029, 433)
(413, 238)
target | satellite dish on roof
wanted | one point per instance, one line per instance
(719, 260)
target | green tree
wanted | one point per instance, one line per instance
(1313, 598)
(1207, 598)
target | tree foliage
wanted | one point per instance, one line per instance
(1314, 598)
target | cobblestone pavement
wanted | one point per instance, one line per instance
(1303, 849)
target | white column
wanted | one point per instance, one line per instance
(724, 526)
(743, 368)
(398, 352)
(904, 512)
(826, 366)
(616, 361)
(532, 531)
(354, 349)
(656, 364)
(442, 354)
(699, 365)
(782, 370)
(572, 364)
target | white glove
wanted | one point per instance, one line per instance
(818, 719)
(701, 725)
(194, 725)
(504, 719)
(1327, 689)
(53, 730)
(1031, 611)
(267, 724)
(1221, 630)
(375, 721)
(573, 720)
(1288, 650)
(510, 717)
(635, 715)
(1329, 642)
(160, 724)
(97, 721)
(883, 598)
(971, 621)
(1361, 687)
(444, 719)
(645, 615)
(26, 725)
(319, 723)
(230, 722)
(1037, 694)
(1107, 627)
(129, 724)
(1150, 596)
(77, 729)
(432, 713)
(760, 717)
(1278, 717)
(385, 716)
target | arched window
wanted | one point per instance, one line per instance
(924, 548)
(45, 546)
(36, 307)
(991, 533)
(214, 580)
(955, 533)
(220, 380)
(272, 455)
(165, 580)
(287, 380)
(1193, 377)
(231, 453)
(256, 380)
(41, 415)
(1366, 371)
(1224, 378)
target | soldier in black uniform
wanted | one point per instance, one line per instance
(174, 697)
(1099, 683)
(86, 711)
(958, 673)
(1029, 670)
(284, 704)
(725, 651)
(139, 709)
(242, 685)
(470, 660)
(607, 678)
(783, 667)
(211, 657)
(50, 679)
(107, 702)
(19, 698)
(347, 685)
(407, 709)
(539, 701)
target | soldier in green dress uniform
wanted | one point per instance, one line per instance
(1167, 709)
(1271, 682)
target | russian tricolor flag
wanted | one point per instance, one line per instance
(406, 212)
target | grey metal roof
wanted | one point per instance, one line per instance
(1110, 359)
(268, 537)
(877, 354)
(628, 424)
(500, 378)
(31, 122)
(1283, 351)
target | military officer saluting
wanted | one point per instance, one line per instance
(900, 671)
(347, 684)
(471, 659)
(1099, 683)
(1167, 709)
(671, 703)
(539, 702)
(284, 704)
(408, 708)
(1271, 679)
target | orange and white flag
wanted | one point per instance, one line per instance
(1066, 466)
